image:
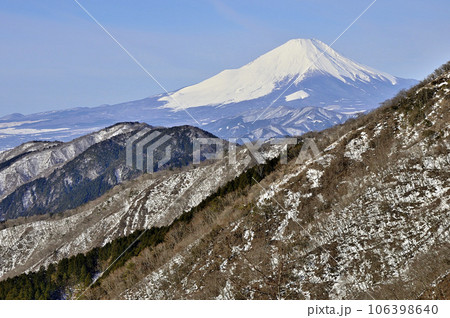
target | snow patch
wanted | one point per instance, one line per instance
(301, 94)
(357, 147)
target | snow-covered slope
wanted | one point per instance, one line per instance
(49, 178)
(151, 200)
(33, 160)
(367, 218)
(294, 60)
(276, 121)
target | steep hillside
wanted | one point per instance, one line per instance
(368, 218)
(151, 200)
(36, 159)
(9, 156)
(67, 175)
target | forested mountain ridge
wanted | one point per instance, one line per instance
(150, 200)
(57, 176)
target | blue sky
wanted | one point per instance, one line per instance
(53, 56)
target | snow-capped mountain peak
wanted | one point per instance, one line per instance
(300, 73)
(295, 60)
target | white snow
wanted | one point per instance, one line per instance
(294, 60)
(28, 131)
(314, 176)
(301, 94)
(356, 147)
(18, 123)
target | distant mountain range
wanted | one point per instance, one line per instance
(257, 100)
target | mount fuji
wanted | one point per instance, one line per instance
(300, 86)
